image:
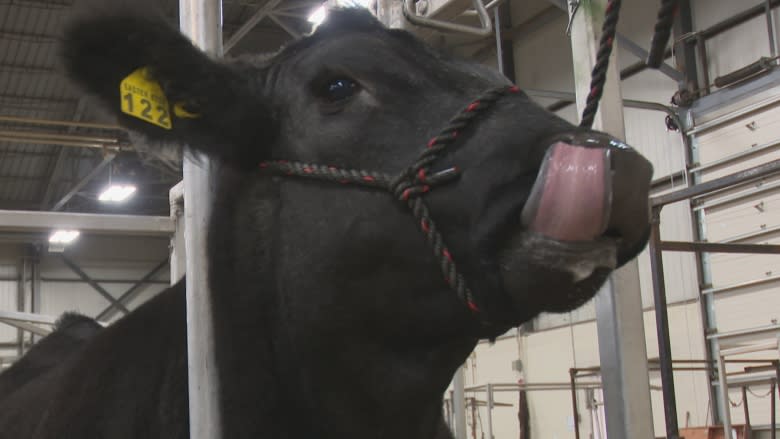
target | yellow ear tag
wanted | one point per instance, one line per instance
(182, 113)
(142, 97)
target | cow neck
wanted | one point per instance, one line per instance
(411, 185)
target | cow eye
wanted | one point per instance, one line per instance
(338, 90)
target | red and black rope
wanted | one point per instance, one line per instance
(409, 185)
(663, 29)
(599, 74)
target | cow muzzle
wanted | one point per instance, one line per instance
(590, 186)
(587, 214)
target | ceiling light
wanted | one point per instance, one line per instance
(117, 192)
(355, 3)
(63, 236)
(318, 16)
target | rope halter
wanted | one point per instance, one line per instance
(411, 184)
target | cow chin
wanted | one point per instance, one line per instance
(547, 275)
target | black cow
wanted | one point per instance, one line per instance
(67, 338)
(333, 319)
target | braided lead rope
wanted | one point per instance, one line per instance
(662, 31)
(599, 74)
(410, 184)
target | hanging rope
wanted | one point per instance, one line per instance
(599, 74)
(663, 29)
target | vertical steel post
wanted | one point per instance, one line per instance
(459, 404)
(573, 385)
(685, 50)
(772, 414)
(177, 250)
(489, 406)
(201, 21)
(20, 299)
(725, 414)
(662, 327)
(770, 25)
(35, 286)
(499, 48)
(745, 407)
(707, 302)
(619, 317)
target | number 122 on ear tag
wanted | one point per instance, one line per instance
(142, 97)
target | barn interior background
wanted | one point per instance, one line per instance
(709, 116)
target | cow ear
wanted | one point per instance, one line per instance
(159, 84)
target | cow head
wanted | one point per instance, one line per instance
(541, 213)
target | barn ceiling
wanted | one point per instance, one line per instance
(56, 149)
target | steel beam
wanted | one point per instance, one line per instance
(64, 123)
(459, 404)
(286, 27)
(42, 137)
(28, 37)
(131, 292)
(631, 46)
(20, 299)
(54, 176)
(108, 158)
(201, 21)
(717, 184)
(85, 277)
(35, 284)
(619, 303)
(662, 327)
(685, 49)
(641, 53)
(245, 28)
(28, 321)
(716, 247)
(178, 253)
(34, 221)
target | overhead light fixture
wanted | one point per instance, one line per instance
(63, 236)
(318, 16)
(355, 3)
(59, 239)
(117, 193)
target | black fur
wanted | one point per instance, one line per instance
(332, 318)
(70, 333)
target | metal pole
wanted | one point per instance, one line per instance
(201, 21)
(499, 49)
(459, 404)
(178, 255)
(662, 327)
(745, 407)
(619, 317)
(724, 395)
(489, 417)
(773, 415)
(573, 383)
(21, 290)
(770, 25)
(35, 285)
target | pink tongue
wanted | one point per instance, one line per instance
(571, 198)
